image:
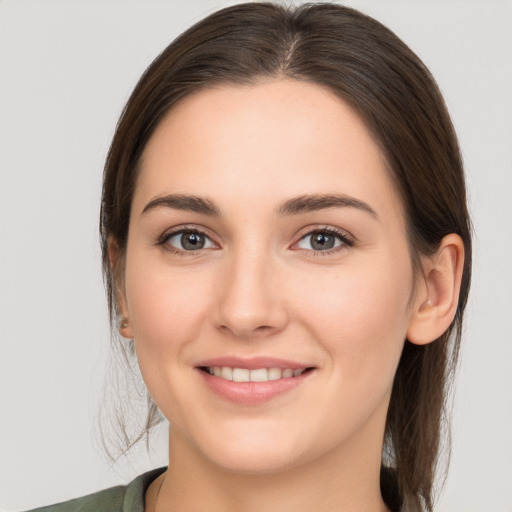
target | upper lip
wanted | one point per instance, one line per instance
(252, 363)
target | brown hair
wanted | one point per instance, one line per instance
(374, 71)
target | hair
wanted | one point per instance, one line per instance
(370, 68)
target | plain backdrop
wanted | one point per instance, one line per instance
(67, 68)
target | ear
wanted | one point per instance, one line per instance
(438, 295)
(117, 263)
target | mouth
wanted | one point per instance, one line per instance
(254, 375)
(254, 381)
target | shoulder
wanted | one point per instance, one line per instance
(122, 498)
(110, 500)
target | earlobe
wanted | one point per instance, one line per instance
(436, 304)
(125, 329)
(116, 260)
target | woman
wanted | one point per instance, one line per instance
(286, 241)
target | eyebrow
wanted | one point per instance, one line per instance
(294, 206)
(313, 202)
(184, 202)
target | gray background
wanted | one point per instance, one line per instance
(67, 68)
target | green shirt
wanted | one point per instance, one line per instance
(122, 498)
(130, 498)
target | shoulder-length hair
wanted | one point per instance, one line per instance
(369, 67)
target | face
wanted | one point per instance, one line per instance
(267, 279)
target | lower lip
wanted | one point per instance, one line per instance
(252, 393)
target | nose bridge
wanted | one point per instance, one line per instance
(250, 302)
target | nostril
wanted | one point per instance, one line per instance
(241, 330)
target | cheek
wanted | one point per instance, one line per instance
(167, 312)
(360, 316)
(167, 309)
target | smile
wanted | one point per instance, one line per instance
(253, 381)
(253, 375)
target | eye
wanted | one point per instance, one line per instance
(323, 240)
(188, 240)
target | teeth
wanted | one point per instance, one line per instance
(226, 373)
(258, 375)
(274, 374)
(240, 375)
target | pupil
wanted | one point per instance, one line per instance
(192, 241)
(322, 241)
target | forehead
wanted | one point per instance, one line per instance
(262, 142)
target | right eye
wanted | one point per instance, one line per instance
(188, 240)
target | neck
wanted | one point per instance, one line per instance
(345, 480)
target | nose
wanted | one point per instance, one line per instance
(250, 302)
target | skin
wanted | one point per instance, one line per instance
(258, 287)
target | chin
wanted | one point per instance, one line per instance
(264, 453)
(259, 463)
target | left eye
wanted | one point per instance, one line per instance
(189, 241)
(321, 241)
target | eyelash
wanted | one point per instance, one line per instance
(345, 239)
(162, 241)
